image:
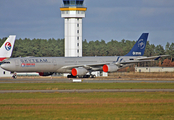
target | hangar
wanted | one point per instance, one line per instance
(154, 69)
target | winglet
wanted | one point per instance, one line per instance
(7, 47)
(139, 47)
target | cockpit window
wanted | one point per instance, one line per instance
(6, 62)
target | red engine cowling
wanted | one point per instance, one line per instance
(78, 71)
(45, 73)
(110, 68)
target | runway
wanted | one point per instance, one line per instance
(66, 80)
(87, 91)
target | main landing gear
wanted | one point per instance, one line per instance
(71, 76)
(84, 76)
(92, 76)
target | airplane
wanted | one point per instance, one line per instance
(7, 48)
(80, 66)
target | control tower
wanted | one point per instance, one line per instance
(73, 11)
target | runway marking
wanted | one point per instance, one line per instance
(87, 91)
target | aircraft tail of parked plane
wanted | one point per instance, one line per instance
(139, 47)
(7, 47)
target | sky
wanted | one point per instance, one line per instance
(105, 19)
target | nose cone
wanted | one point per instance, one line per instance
(6, 67)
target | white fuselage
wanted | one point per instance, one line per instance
(61, 64)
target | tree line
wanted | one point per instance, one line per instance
(55, 48)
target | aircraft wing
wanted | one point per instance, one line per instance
(85, 66)
(152, 57)
(139, 60)
(135, 61)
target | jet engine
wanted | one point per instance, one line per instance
(78, 71)
(110, 68)
(45, 73)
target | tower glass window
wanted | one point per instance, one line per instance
(73, 2)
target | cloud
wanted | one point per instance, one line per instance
(53, 2)
(149, 12)
(158, 3)
(111, 19)
(36, 2)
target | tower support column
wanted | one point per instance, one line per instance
(73, 37)
(73, 12)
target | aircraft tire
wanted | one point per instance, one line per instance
(14, 76)
(94, 76)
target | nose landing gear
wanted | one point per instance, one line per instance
(14, 76)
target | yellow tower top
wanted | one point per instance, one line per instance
(73, 5)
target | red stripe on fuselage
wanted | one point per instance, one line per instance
(30, 64)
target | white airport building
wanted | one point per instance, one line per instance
(154, 69)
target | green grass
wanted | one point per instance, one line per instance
(87, 106)
(62, 86)
(143, 95)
